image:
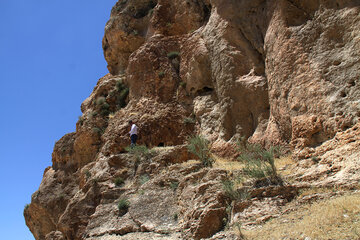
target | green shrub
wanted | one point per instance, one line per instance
(123, 206)
(161, 74)
(172, 55)
(122, 93)
(199, 146)
(232, 193)
(119, 181)
(140, 151)
(100, 100)
(26, 207)
(87, 174)
(174, 185)
(144, 179)
(259, 162)
(182, 84)
(97, 130)
(189, 120)
(81, 120)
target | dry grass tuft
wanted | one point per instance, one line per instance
(337, 218)
(227, 164)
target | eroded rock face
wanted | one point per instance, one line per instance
(273, 71)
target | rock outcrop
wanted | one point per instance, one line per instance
(273, 71)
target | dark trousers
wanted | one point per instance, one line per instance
(133, 139)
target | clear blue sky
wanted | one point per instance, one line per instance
(50, 60)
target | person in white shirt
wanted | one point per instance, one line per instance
(133, 133)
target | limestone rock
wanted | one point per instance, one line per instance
(272, 71)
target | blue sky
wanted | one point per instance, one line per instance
(50, 60)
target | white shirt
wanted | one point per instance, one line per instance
(133, 130)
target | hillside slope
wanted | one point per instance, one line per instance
(277, 72)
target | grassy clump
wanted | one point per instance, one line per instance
(174, 185)
(199, 146)
(189, 120)
(119, 181)
(97, 130)
(259, 162)
(140, 151)
(144, 179)
(122, 93)
(87, 174)
(26, 207)
(161, 74)
(332, 218)
(232, 192)
(102, 106)
(81, 120)
(172, 55)
(182, 84)
(123, 206)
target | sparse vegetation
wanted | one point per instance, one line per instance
(232, 192)
(175, 217)
(81, 120)
(26, 207)
(199, 146)
(123, 206)
(333, 218)
(161, 74)
(182, 84)
(119, 181)
(189, 120)
(174, 185)
(97, 130)
(144, 179)
(140, 151)
(87, 174)
(102, 106)
(259, 162)
(172, 55)
(122, 93)
(100, 101)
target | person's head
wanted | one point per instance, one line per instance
(130, 122)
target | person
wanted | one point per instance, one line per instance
(133, 133)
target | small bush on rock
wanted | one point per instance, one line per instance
(123, 206)
(199, 146)
(172, 55)
(259, 162)
(140, 151)
(118, 181)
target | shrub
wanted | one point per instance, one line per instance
(87, 174)
(118, 181)
(172, 55)
(232, 193)
(81, 120)
(259, 162)
(161, 74)
(174, 185)
(144, 179)
(123, 206)
(182, 84)
(140, 151)
(199, 146)
(100, 100)
(26, 207)
(122, 93)
(98, 130)
(189, 120)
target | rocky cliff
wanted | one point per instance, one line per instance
(277, 72)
